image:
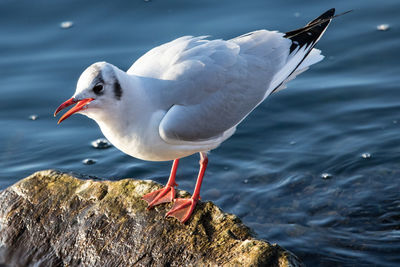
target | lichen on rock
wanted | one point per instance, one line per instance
(55, 219)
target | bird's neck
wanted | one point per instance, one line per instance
(136, 113)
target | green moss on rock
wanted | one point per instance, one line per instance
(59, 220)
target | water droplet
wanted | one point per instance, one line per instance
(101, 143)
(292, 143)
(246, 181)
(33, 117)
(89, 161)
(326, 175)
(66, 24)
(394, 121)
(383, 27)
(366, 155)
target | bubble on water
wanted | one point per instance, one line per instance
(101, 143)
(66, 24)
(366, 155)
(383, 27)
(33, 117)
(326, 175)
(394, 121)
(246, 181)
(292, 143)
(89, 161)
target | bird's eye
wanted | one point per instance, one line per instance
(98, 89)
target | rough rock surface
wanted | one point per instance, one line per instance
(54, 219)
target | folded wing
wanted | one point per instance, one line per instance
(218, 83)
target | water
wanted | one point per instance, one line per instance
(271, 172)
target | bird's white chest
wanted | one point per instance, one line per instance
(142, 139)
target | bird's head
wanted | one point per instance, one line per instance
(98, 89)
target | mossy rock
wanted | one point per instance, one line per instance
(55, 219)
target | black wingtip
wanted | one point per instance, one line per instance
(307, 37)
(310, 34)
(329, 14)
(326, 14)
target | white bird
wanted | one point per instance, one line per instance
(190, 94)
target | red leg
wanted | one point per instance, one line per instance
(183, 208)
(166, 194)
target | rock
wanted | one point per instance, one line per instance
(54, 219)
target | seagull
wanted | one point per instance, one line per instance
(188, 96)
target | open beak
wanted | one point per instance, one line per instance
(81, 104)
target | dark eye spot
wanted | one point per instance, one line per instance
(98, 89)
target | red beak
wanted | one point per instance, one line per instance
(79, 106)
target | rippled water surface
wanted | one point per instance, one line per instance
(296, 170)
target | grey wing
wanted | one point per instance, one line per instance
(209, 119)
(226, 80)
(222, 82)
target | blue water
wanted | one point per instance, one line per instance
(269, 172)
